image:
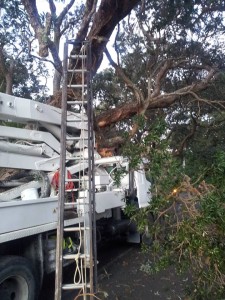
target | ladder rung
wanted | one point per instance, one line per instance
(74, 121)
(76, 138)
(73, 286)
(75, 256)
(78, 56)
(71, 190)
(77, 86)
(71, 203)
(77, 158)
(76, 229)
(75, 42)
(75, 203)
(76, 102)
(77, 70)
(73, 180)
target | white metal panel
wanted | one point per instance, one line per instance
(17, 215)
(9, 236)
(41, 150)
(30, 135)
(20, 161)
(78, 167)
(143, 188)
(11, 109)
(109, 199)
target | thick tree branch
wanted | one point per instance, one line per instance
(160, 76)
(109, 14)
(52, 7)
(3, 68)
(90, 9)
(31, 8)
(42, 32)
(48, 23)
(127, 110)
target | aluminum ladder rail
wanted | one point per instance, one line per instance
(86, 258)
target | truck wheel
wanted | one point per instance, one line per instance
(17, 280)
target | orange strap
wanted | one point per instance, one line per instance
(55, 181)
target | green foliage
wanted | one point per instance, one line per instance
(107, 89)
(189, 218)
(11, 124)
(204, 145)
(117, 174)
(142, 148)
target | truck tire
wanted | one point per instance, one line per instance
(17, 280)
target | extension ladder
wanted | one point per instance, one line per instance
(77, 94)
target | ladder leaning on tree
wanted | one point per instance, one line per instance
(80, 189)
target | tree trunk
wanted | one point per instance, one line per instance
(56, 82)
(9, 83)
(109, 14)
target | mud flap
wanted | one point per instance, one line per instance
(134, 238)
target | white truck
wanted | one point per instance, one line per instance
(30, 144)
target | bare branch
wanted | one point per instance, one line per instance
(44, 59)
(64, 12)
(209, 102)
(52, 7)
(115, 44)
(136, 91)
(90, 9)
(187, 137)
(165, 100)
(159, 78)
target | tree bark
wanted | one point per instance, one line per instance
(9, 83)
(7, 72)
(56, 81)
(109, 14)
